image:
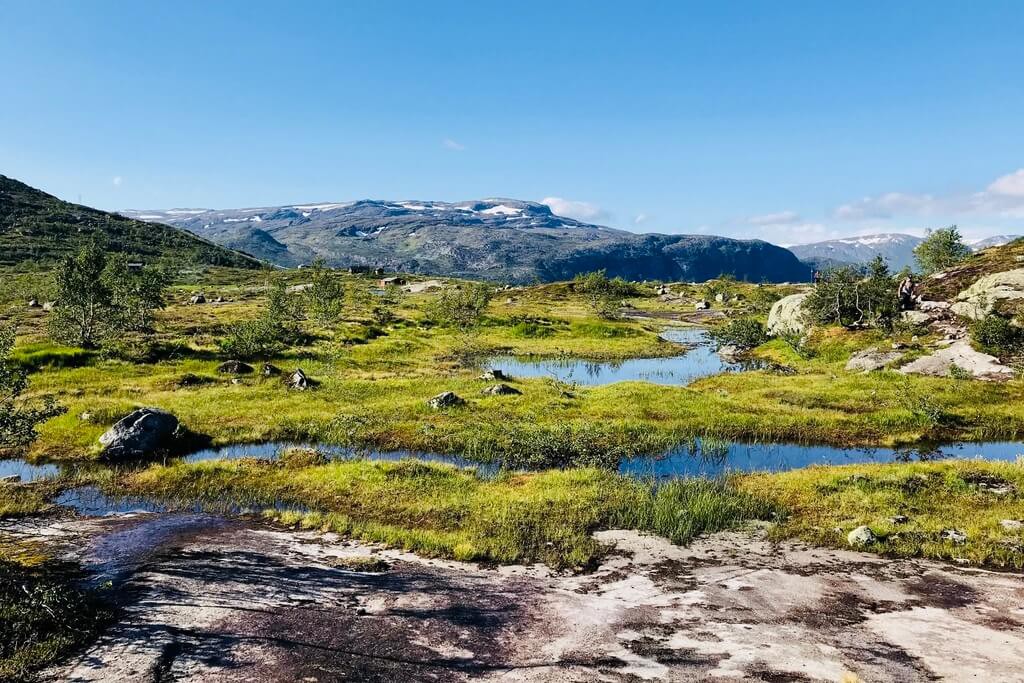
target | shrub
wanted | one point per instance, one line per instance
(940, 250)
(744, 333)
(18, 420)
(461, 307)
(604, 294)
(846, 296)
(997, 335)
(326, 297)
(251, 339)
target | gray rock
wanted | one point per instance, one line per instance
(196, 299)
(953, 535)
(1011, 524)
(861, 536)
(49, 306)
(491, 375)
(871, 359)
(143, 432)
(729, 353)
(979, 299)
(720, 298)
(501, 390)
(916, 317)
(447, 399)
(33, 303)
(899, 519)
(299, 381)
(235, 367)
(270, 370)
(787, 315)
(959, 353)
(702, 305)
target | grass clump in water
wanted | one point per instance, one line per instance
(913, 508)
(440, 510)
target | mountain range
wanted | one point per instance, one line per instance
(896, 248)
(497, 239)
(38, 229)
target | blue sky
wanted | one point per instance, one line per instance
(791, 121)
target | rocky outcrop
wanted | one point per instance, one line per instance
(501, 390)
(140, 434)
(979, 299)
(787, 315)
(235, 367)
(961, 355)
(447, 399)
(871, 359)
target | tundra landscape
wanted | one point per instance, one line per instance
(545, 343)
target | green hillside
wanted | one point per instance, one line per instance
(37, 229)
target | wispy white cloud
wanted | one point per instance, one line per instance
(779, 218)
(1003, 197)
(448, 143)
(581, 211)
(117, 181)
(641, 218)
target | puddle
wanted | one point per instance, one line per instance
(715, 460)
(26, 471)
(700, 361)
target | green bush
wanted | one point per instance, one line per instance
(997, 335)
(744, 333)
(251, 339)
(848, 297)
(530, 330)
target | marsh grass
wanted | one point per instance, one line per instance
(440, 510)
(825, 503)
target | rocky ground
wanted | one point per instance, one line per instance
(212, 599)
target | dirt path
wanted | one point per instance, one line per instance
(207, 599)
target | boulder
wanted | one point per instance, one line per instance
(979, 299)
(235, 367)
(501, 390)
(720, 298)
(959, 353)
(196, 299)
(729, 353)
(49, 306)
(33, 303)
(933, 306)
(861, 536)
(702, 305)
(871, 359)
(916, 317)
(270, 370)
(491, 375)
(1011, 524)
(899, 519)
(787, 315)
(143, 432)
(953, 536)
(298, 380)
(447, 399)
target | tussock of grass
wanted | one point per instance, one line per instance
(825, 503)
(439, 510)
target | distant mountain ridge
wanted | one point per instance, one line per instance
(896, 248)
(499, 239)
(38, 228)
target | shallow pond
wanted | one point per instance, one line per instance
(695, 460)
(715, 460)
(699, 361)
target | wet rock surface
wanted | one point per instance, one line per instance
(211, 599)
(139, 434)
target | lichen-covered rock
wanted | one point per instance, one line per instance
(501, 390)
(142, 433)
(270, 370)
(447, 399)
(954, 536)
(979, 299)
(492, 375)
(960, 354)
(861, 536)
(787, 315)
(702, 305)
(299, 381)
(871, 359)
(235, 367)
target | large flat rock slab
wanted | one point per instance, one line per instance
(234, 601)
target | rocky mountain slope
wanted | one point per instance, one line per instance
(38, 228)
(498, 239)
(896, 248)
